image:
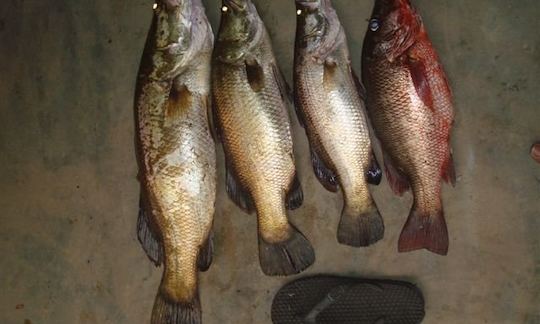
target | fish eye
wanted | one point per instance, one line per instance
(224, 8)
(298, 12)
(374, 24)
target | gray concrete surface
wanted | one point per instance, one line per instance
(69, 192)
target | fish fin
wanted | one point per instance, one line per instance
(148, 236)
(359, 86)
(255, 75)
(360, 229)
(215, 119)
(284, 88)
(329, 75)
(396, 179)
(295, 195)
(424, 231)
(180, 99)
(326, 176)
(206, 253)
(286, 258)
(299, 113)
(449, 171)
(374, 173)
(166, 311)
(237, 194)
(402, 38)
(210, 118)
(420, 79)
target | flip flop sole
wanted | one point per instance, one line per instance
(341, 300)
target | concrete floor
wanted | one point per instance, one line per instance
(69, 191)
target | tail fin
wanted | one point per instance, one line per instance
(167, 311)
(356, 229)
(424, 231)
(286, 258)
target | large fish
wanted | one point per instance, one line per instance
(332, 112)
(253, 124)
(409, 102)
(177, 155)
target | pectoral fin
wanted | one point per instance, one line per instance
(419, 76)
(255, 75)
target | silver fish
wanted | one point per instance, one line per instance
(333, 114)
(177, 155)
(253, 122)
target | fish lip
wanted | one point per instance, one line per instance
(306, 2)
(309, 4)
(230, 59)
(171, 4)
(235, 5)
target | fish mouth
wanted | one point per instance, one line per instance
(171, 4)
(308, 4)
(236, 5)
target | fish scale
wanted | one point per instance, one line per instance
(177, 156)
(409, 101)
(334, 118)
(255, 131)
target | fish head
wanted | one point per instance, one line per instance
(392, 29)
(317, 23)
(239, 30)
(173, 19)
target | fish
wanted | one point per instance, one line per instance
(177, 155)
(410, 104)
(328, 97)
(251, 103)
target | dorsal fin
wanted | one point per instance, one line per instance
(284, 88)
(359, 86)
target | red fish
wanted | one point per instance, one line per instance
(409, 102)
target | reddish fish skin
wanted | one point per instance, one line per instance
(409, 102)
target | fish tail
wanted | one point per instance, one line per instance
(286, 258)
(360, 229)
(167, 311)
(424, 230)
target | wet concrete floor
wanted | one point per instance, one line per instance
(69, 192)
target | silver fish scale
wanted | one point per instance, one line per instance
(337, 124)
(179, 166)
(257, 139)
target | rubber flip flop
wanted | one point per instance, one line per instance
(535, 152)
(340, 300)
